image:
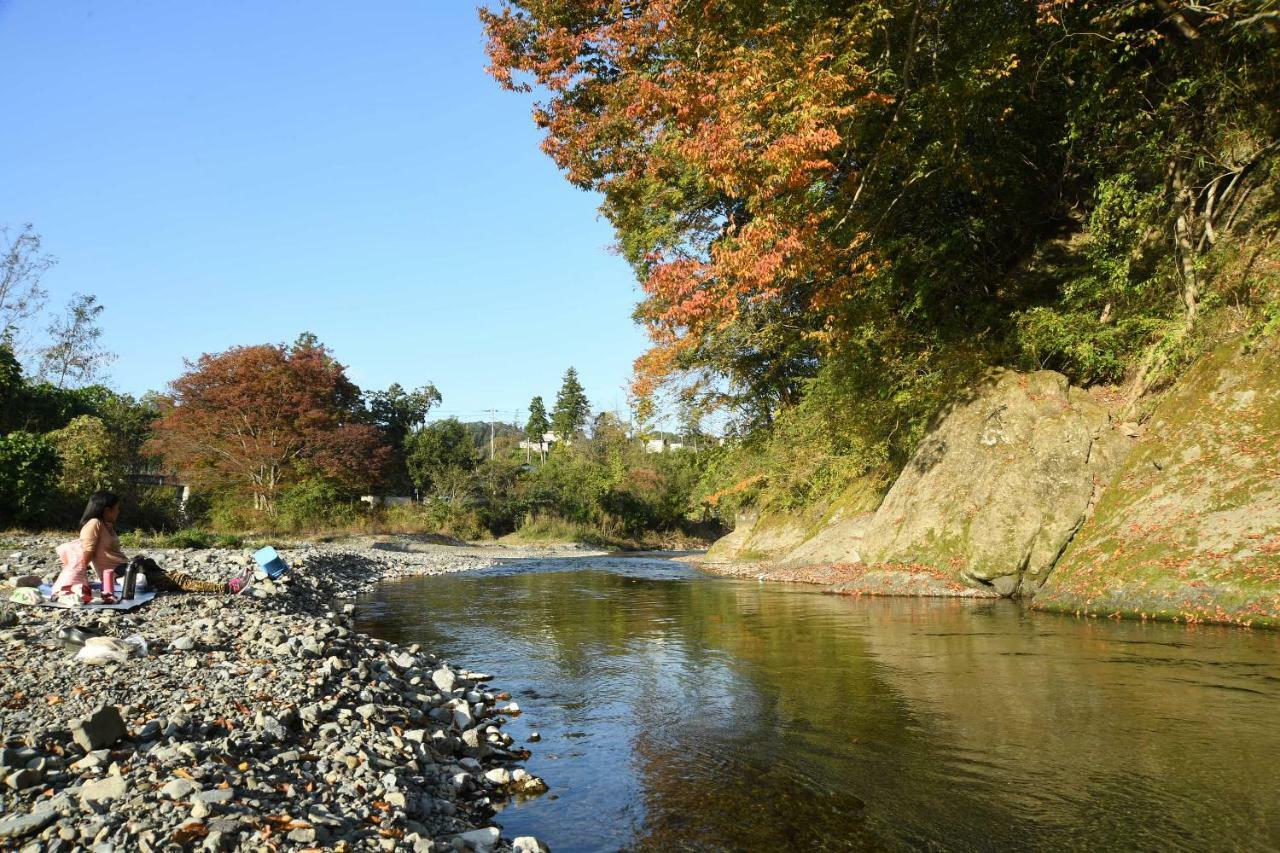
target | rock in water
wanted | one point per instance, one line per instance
(529, 844)
(1190, 527)
(100, 729)
(996, 489)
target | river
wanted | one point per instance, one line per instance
(680, 711)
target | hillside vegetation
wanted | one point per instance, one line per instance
(843, 214)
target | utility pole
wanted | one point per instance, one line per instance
(493, 417)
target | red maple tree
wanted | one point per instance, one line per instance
(254, 419)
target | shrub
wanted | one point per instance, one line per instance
(29, 469)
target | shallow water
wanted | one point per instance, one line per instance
(684, 712)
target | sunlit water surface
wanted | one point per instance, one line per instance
(684, 712)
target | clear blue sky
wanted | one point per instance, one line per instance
(237, 172)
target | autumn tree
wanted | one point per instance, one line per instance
(255, 419)
(872, 200)
(767, 165)
(572, 407)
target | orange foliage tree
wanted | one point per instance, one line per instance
(254, 419)
(759, 159)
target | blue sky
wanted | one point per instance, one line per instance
(238, 172)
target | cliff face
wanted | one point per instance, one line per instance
(1190, 528)
(828, 533)
(1025, 487)
(999, 485)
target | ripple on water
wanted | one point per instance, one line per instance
(681, 712)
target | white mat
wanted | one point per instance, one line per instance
(140, 598)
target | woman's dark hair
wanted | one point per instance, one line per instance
(99, 502)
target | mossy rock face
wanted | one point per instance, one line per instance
(1000, 484)
(758, 537)
(1190, 527)
(836, 532)
(826, 532)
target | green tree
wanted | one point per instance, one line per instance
(74, 353)
(21, 266)
(90, 457)
(572, 408)
(537, 425)
(441, 458)
(398, 413)
(28, 474)
(11, 384)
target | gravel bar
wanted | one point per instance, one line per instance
(262, 721)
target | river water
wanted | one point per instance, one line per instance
(684, 712)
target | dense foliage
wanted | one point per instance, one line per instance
(840, 213)
(59, 444)
(253, 421)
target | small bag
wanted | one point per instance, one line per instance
(26, 595)
(111, 649)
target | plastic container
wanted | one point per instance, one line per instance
(74, 637)
(268, 559)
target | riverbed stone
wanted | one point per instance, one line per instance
(21, 826)
(100, 729)
(178, 789)
(444, 679)
(481, 840)
(285, 711)
(104, 790)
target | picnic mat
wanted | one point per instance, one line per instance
(140, 598)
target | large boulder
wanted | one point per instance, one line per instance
(758, 537)
(828, 531)
(995, 491)
(837, 532)
(1190, 528)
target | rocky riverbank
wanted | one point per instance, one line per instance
(257, 721)
(1078, 501)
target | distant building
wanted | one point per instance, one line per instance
(662, 445)
(386, 500)
(548, 439)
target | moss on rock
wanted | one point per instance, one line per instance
(1189, 529)
(999, 485)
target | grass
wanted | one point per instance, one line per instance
(189, 537)
(551, 528)
(545, 528)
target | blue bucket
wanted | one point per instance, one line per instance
(270, 562)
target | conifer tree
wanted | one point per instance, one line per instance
(537, 425)
(572, 407)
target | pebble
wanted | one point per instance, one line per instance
(286, 711)
(103, 790)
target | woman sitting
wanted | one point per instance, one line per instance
(100, 547)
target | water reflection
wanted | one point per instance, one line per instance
(684, 712)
